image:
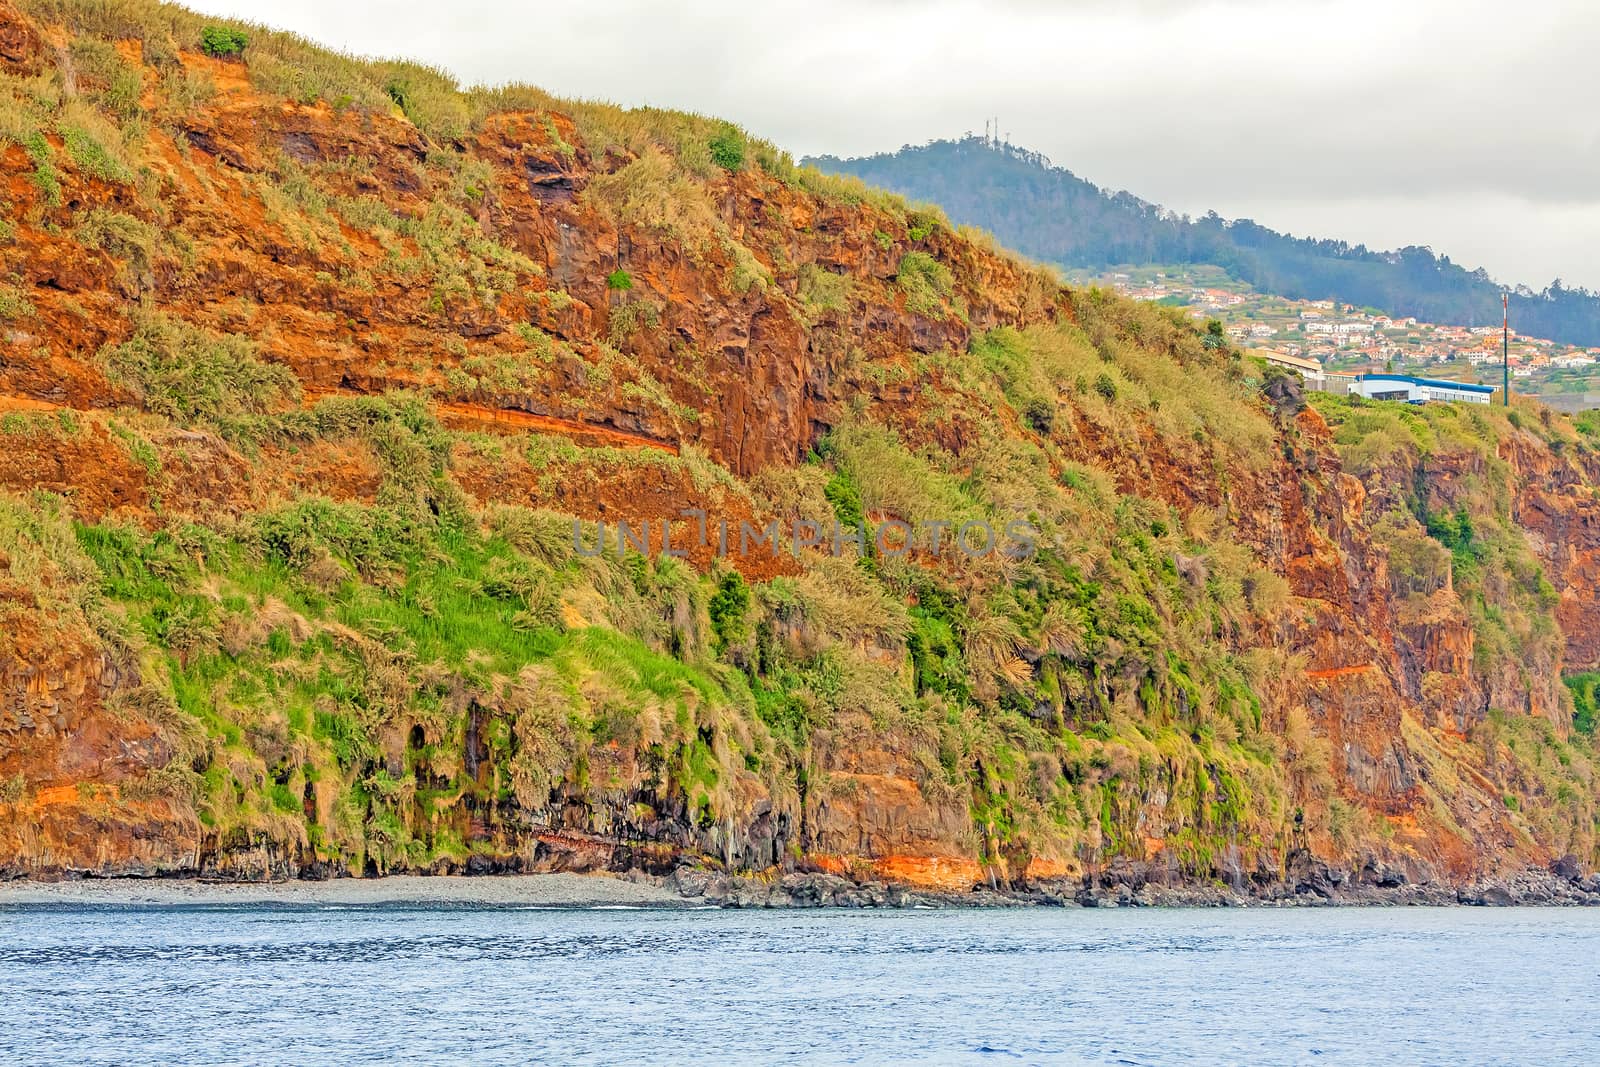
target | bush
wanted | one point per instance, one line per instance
(13, 305)
(619, 279)
(1105, 386)
(121, 236)
(822, 290)
(846, 500)
(921, 224)
(728, 149)
(627, 319)
(1585, 706)
(428, 97)
(45, 176)
(13, 789)
(1452, 531)
(222, 41)
(654, 193)
(189, 374)
(1040, 414)
(926, 282)
(728, 609)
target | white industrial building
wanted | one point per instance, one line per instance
(1411, 390)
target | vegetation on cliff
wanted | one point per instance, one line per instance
(311, 364)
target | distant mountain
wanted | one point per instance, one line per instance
(1051, 214)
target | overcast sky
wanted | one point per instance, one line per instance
(1466, 125)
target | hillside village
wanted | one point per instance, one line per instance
(1351, 340)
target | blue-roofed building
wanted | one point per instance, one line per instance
(1409, 390)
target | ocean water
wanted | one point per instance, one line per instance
(97, 985)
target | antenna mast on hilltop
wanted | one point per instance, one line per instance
(1505, 345)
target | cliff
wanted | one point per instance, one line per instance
(308, 365)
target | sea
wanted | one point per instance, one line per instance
(304, 984)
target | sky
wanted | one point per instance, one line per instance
(1468, 126)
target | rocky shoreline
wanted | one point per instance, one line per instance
(701, 887)
(1532, 887)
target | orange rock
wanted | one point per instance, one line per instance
(954, 874)
(56, 794)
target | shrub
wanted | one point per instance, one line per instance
(122, 236)
(627, 319)
(728, 609)
(183, 372)
(619, 279)
(428, 97)
(654, 193)
(728, 148)
(13, 305)
(921, 224)
(846, 500)
(1454, 532)
(1585, 705)
(822, 290)
(1040, 414)
(222, 41)
(91, 155)
(926, 282)
(1105, 386)
(45, 176)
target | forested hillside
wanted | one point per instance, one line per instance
(1051, 214)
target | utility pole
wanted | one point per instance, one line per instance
(1505, 345)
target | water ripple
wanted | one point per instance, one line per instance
(485, 985)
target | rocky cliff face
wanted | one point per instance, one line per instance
(306, 366)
